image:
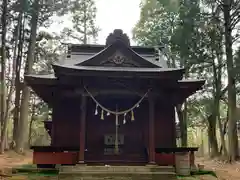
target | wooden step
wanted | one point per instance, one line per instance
(116, 158)
(140, 169)
(119, 176)
(117, 172)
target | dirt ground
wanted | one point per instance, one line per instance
(11, 159)
(224, 171)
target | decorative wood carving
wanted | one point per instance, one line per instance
(119, 59)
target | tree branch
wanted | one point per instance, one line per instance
(235, 21)
(223, 92)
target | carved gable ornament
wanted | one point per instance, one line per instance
(117, 58)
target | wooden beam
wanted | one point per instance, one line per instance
(73, 93)
(82, 128)
(151, 130)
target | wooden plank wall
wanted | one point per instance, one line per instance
(66, 123)
(165, 126)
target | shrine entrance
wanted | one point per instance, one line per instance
(101, 145)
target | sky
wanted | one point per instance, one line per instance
(111, 14)
(116, 14)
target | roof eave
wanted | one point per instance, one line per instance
(64, 70)
(188, 88)
(40, 79)
(43, 86)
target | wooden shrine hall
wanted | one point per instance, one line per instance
(112, 103)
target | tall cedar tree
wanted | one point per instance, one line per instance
(83, 16)
(3, 69)
(24, 108)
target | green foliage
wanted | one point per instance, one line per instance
(155, 25)
(174, 24)
(192, 38)
(83, 17)
(47, 51)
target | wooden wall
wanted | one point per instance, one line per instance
(133, 131)
(165, 133)
(66, 122)
(66, 125)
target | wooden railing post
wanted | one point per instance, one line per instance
(82, 128)
(151, 130)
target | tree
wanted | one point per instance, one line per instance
(231, 10)
(83, 17)
(16, 69)
(174, 27)
(3, 126)
(22, 136)
(193, 38)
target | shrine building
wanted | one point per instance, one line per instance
(111, 104)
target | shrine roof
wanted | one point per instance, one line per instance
(95, 48)
(45, 87)
(79, 53)
(141, 72)
(194, 84)
(48, 79)
(116, 59)
(118, 48)
(114, 69)
(191, 82)
(43, 76)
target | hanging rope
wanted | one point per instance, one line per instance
(114, 112)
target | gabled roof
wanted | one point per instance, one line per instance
(118, 49)
(80, 52)
(117, 59)
(117, 46)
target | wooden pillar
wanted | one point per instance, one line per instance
(55, 114)
(151, 130)
(192, 158)
(82, 128)
(52, 127)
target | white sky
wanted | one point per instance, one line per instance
(111, 14)
(116, 14)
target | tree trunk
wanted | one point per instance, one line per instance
(232, 129)
(212, 136)
(183, 126)
(6, 146)
(85, 25)
(17, 82)
(224, 129)
(31, 121)
(217, 74)
(3, 83)
(183, 123)
(24, 108)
